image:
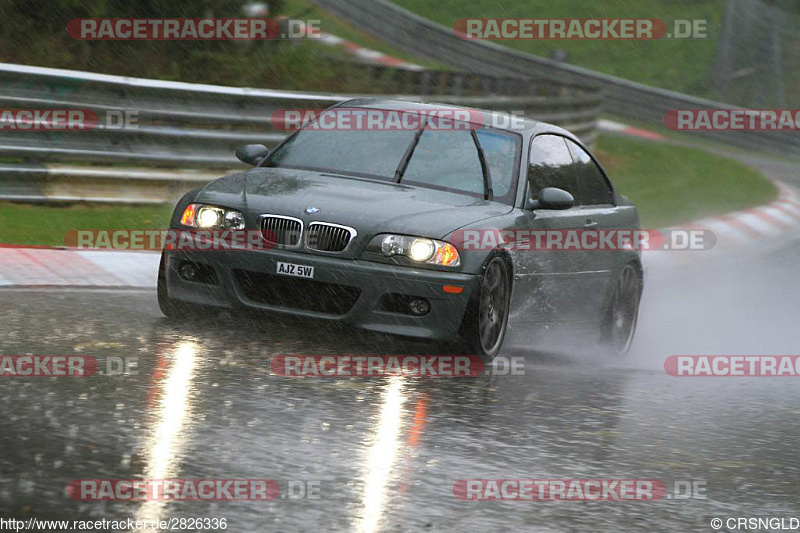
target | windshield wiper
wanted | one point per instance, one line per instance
(488, 193)
(401, 168)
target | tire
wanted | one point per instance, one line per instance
(487, 317)
(619, 325)
(170, 307)
(176, 309)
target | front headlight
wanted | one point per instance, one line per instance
(211, 217)
(417, 249)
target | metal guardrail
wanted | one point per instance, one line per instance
(199, 126)
(414, 34)
(458, 82)
(571, 106)
(179, 124)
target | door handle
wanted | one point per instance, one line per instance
(590, 223)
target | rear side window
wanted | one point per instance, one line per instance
(593, 187)
(550, 165)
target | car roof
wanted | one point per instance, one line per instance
(526, 125)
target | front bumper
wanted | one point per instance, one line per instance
(374, 280)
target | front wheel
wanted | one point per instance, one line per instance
(619, 326)
(170, 307)
(488, 314)
(177, 309)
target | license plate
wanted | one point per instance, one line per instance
(291, 269)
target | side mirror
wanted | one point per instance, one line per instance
(552, 198)
(252, 154)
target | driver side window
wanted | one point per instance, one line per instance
(594, 187)
(550, 165)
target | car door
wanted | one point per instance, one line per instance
(552, 286)
(596, 207)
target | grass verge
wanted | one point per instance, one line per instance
(300, 64)
(680, 64)
(677, 184)
(46, 224)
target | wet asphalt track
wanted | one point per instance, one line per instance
(386, 452)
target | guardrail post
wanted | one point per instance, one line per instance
(458, 84)
(425, 82)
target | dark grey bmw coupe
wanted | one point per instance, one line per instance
(414, 230)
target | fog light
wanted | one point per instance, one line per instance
(189, 271)
(419, 306)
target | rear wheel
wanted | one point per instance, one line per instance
(623, 314)
(488, 314)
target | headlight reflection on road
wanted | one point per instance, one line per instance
(165, 442)
(382, 454)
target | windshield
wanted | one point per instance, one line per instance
(363, 153)
(436, 158)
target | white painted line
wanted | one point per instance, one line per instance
(331, 40)
(610, 125)
(366, 53)
(741, 235)
(793, 208)
(725, 232)
(135, 269)
(756, 223)
(780, 215)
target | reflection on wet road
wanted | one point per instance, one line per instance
(386, 452)
(171, 404)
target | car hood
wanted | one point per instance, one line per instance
(369, 206)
